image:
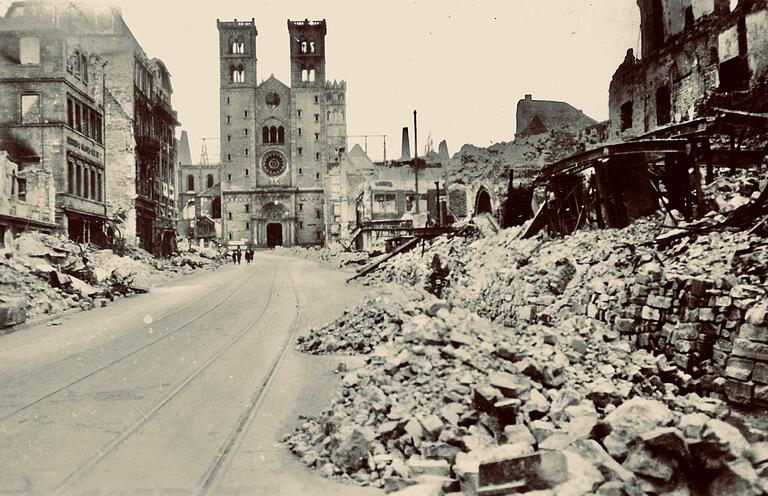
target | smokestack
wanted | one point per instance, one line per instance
(406, 146)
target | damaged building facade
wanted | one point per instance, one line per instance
(277, 142)
(27, 200)
(115, 111)
(52, 120)
(693, 104)
(692, 52)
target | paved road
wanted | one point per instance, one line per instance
(186, 390)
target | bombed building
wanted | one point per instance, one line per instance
(96, 107)
(696, 55)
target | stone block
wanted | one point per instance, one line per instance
(649, 313)
(739, 392)
(706, 314)
(754, 332)
(739, 369)
(624, 326)
(660, 302)
(749, 349)
(688, 331)
(13, 313)
(541, 470)
(761, 394)
(760, 373)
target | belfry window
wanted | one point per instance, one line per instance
(237, 74)
(237, 45)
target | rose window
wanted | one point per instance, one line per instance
(274, 164)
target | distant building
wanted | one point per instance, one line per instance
(126, 139)
(694, 54)
(27, 199)
(199, 193)
(52, 117)
(541, 116)
(278, 142)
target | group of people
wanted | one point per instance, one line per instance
(237, 255)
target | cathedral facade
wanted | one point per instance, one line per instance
(278, 142)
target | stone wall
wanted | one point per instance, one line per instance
(714, 331)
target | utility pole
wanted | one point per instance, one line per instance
(416, 161)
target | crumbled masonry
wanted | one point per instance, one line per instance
(601, 363)
(49, 274)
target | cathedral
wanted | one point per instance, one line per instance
(278, 142)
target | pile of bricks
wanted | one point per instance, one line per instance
(709, 329)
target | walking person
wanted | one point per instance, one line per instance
(234, 256)
(239, 256)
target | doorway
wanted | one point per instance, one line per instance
(274, 235)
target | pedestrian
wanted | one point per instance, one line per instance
(239, 255)
(249, 255)
(234, 257)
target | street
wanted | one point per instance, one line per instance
(187, 389)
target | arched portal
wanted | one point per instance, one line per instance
(483, 202)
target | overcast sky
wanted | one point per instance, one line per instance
(463, 64)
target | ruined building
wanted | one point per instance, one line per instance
(277, 142)
(27, 199)
(693, 104)
(120, 129)
(52, 116)
(541, 116)
(693, 53)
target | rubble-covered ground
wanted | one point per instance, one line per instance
(357, 331)
(46, 274)
(468, 395)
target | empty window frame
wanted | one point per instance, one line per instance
(31, 109)
(626, 116)
(29, 50)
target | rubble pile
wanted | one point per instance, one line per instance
(48, 274)
(454, 402)
(334, 255)
(358, 331)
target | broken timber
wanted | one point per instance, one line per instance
(373, 266)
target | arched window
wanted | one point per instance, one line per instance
(311, 47)
(273, 134)
(265, 134)
(303, 47)
(304, 75)
(209, 180)
(190, 182)
(281, 134)
(236, 45)
(311, 74)
(237, 74)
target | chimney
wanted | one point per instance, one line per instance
(406, 146)
(529, 97)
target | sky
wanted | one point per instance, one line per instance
(463, 64)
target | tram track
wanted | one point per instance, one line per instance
(230, 447)
(91, 463)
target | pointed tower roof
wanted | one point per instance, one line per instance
(184, 157)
